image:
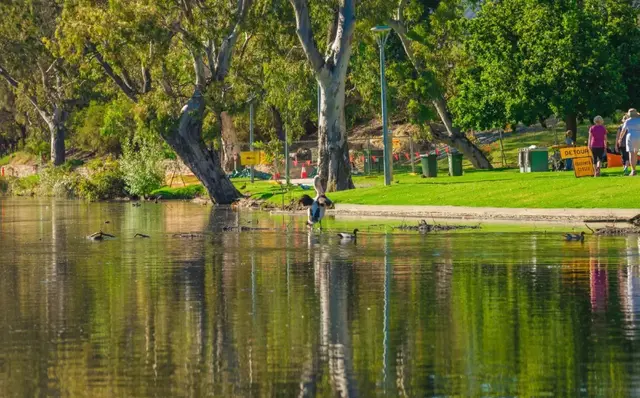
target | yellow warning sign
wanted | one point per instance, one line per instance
(583, 167)
(396, 143)
(573, 152)
(252, 158)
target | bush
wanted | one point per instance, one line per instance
(4, 186)
(141, 165)
(105, 181)
(60, 182)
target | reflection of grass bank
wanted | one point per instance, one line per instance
(499, 188)
(188, 192)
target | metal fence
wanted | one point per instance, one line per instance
(365, 156)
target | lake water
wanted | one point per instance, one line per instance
(287, 313)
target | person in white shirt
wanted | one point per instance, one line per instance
(632, 126)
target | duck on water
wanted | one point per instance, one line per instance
(316, 206)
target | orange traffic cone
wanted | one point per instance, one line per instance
(303, 172)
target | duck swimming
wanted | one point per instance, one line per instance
(574, 237)
(348, 236)
(318, 205)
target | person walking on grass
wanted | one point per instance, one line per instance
(632, 126)
(621, 145)
(597, 142)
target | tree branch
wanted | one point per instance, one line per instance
(126, 89)
(400, 12)
(226, 49)
(401, 31)
(305, 34)
(344, 34)
(15, 84)
(4, 73)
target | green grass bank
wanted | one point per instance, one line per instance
(497, 188)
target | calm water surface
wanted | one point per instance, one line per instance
(291, 314)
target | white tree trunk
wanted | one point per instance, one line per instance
(57, 130)
(230, 145)
(334, 165)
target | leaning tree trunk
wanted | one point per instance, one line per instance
(187, 142)
(453, 137)
(334, 166)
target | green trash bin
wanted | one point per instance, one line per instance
(429, 165)
(533, 160)
(455, 164)
(539, 159)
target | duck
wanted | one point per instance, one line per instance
(423, 226)
(348, 236)
(98, 236)
(139, 235)
(316, 206)
(135, 204)
(574, 237)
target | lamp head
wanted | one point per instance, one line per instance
(380, 29)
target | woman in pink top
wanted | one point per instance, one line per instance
(598, 142)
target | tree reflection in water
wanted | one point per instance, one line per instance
(289, 312)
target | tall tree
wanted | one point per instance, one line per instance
(429, 31)
(531, 59)
(29, 64)
(146, 49)
(330, 71)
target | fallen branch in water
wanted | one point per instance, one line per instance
(424, 227)
(635, 220)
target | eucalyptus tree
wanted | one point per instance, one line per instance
(147, 49)
(30, 65)
(426, 29)
(330, 71)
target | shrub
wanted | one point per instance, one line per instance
(141, 165)
(105, 181)
(4, 186)
(59, 182)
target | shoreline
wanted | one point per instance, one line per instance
(475, 214)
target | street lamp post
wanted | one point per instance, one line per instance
(382, 34)
(251, 136)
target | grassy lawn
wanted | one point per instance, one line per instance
(498, 188)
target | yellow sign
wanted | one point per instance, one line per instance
(396, 143)
(251, 158)
(583, 167)
(573, 152)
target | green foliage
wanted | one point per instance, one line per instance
(527, 60)
(58, 182)
(141, 164)
(4, 185)
(105, 181)
(188, 192)
(274, 151)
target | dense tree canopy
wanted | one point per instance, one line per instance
(99, 73)
(528, 60)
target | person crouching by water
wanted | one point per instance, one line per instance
(598, 142)
(621, 145)
(632, 126)
(568, 141)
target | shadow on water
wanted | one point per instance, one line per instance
(286, 311)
